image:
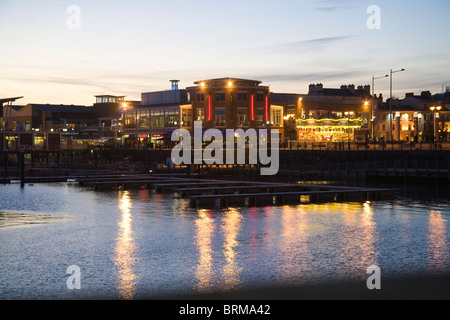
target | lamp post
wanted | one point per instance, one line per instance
(373, 94)
(348, 114)
(390, 104)
(436, 130)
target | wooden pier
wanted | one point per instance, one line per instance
(284, 198)
(216, 193)
(212, 193)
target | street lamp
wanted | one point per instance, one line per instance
(390, 104)
(373, 95)
(348, 114)
(436, 130)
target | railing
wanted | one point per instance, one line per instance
(352, 146)
(243, 124)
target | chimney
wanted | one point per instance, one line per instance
(425, 95)
(314, 88)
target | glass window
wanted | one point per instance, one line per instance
(242, 117)
(186, 117)
(158, 122)
(200, 114)
(259, 97)
(260, 116)
(276, 117)
(200, 97)
(220, 96)
(220, 117)
(144, 119)
(242, 96)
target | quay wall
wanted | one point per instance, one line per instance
(298, 164)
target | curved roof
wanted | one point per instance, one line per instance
(228, 79)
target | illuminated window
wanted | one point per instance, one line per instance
(242, 117)
(200, 114)
(186, 117)
(276, 117)
(260, 116)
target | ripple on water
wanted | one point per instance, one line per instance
(24, 219)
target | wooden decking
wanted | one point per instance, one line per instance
(216, 193)
(211, 193)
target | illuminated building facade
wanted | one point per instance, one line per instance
(232, 103)
(334, 115)
(159, 113)
(423, 117)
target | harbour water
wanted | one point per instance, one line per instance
(137, 243)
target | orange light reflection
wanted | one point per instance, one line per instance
(437, 242)
(204, 273)
(231, 226)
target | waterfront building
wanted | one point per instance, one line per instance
(423, 117)
(225, 103)
(6, 111)
(109, 111)
(233, 103)
(153, 121)
(291, 103)
(49, 117)
(335, 114)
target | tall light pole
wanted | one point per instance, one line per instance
(435, 129)
(390, 105)
(373, 94)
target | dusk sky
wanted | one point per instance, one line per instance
(130, 47)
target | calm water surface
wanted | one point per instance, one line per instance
(131, 244)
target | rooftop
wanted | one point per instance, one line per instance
(62, 108)
(4, 100)
(255, 82)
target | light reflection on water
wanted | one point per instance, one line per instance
(437, 244)
(231, 226)
(204, 233)
(24, 219)
(125, 249)
(138, 243)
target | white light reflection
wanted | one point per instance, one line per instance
(125, 249)
(369, 235)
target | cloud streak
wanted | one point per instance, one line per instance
(333, 6)
(307, 76)
(307, 45)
